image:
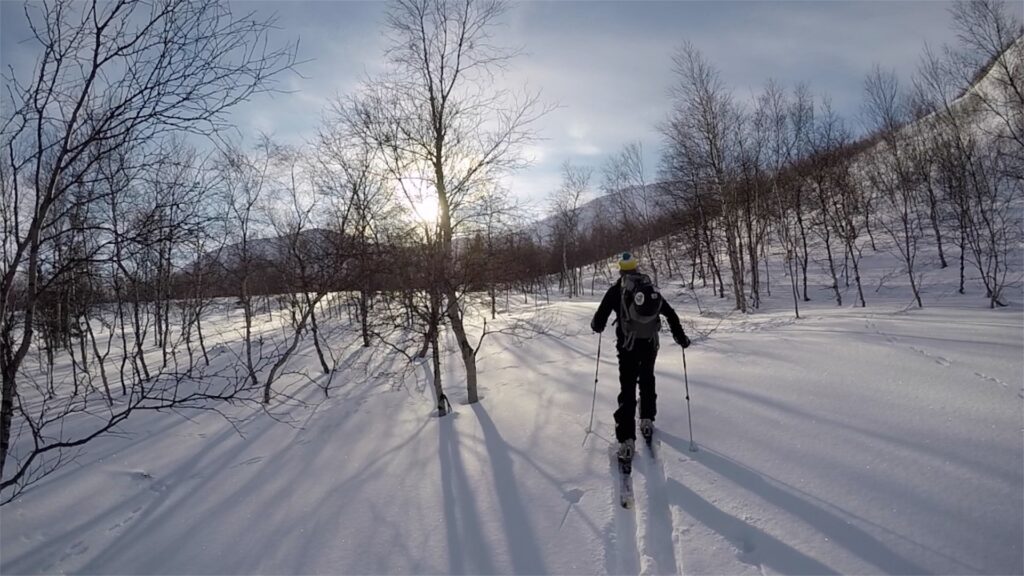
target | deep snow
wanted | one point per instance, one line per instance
(884, 439)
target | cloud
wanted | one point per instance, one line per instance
(608, 65)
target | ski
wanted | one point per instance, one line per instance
(626, 484)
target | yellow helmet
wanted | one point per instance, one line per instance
(627, 262)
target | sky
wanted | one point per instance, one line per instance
(606, 66)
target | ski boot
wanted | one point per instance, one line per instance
(647, 429)
(625, 455)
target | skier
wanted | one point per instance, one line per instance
(638, 305)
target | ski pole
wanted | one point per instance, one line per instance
(689, 417)
(593, 401)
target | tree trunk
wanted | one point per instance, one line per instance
(803, 242)
(6, 409)
(735, 265)
(315, 330)
(296, 337)
(435, 356)
(364, 317)
(465, 348)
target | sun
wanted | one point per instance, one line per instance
(421, 198)
(426, 208)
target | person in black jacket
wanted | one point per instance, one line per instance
(636, 353)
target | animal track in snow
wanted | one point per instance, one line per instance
(126, 520)
(937, 358)
(992, 379)
(76, 549)
(249, 462)
(941, 361)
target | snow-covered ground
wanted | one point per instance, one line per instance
(869, 440)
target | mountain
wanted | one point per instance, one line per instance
(607, 209)
(316, 243)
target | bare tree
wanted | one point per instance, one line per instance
(891, 172)
(849, 218)
(488, 263)
(243, 183)
(305, 251)
(826, 174)
(352, 175)
(111, 78)
(703, 133)
(784, 124)
(951, 145)
(972, 137)
(566, 208)
(626, 180)
(992, 41)
(441, 122)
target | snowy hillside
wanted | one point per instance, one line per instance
(877, 440)
(608, 208)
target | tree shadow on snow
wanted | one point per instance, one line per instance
(522, 544)
(461, 518)
(755, 546)
(769, 550)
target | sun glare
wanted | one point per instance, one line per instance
(426, 209)
(421, 198)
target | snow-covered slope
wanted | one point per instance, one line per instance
(878, 440)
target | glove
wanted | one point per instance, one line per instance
(596, 327)
(681, 339)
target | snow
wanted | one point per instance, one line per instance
(884, 439)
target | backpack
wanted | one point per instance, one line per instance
(638, 314)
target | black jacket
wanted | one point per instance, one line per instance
(613, 300)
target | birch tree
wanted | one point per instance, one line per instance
(443, 121)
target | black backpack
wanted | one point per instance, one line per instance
(638, 313)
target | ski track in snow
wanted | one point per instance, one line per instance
(626, 554)
(646, 533)
(658, 533)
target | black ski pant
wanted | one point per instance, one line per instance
(636, 366)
